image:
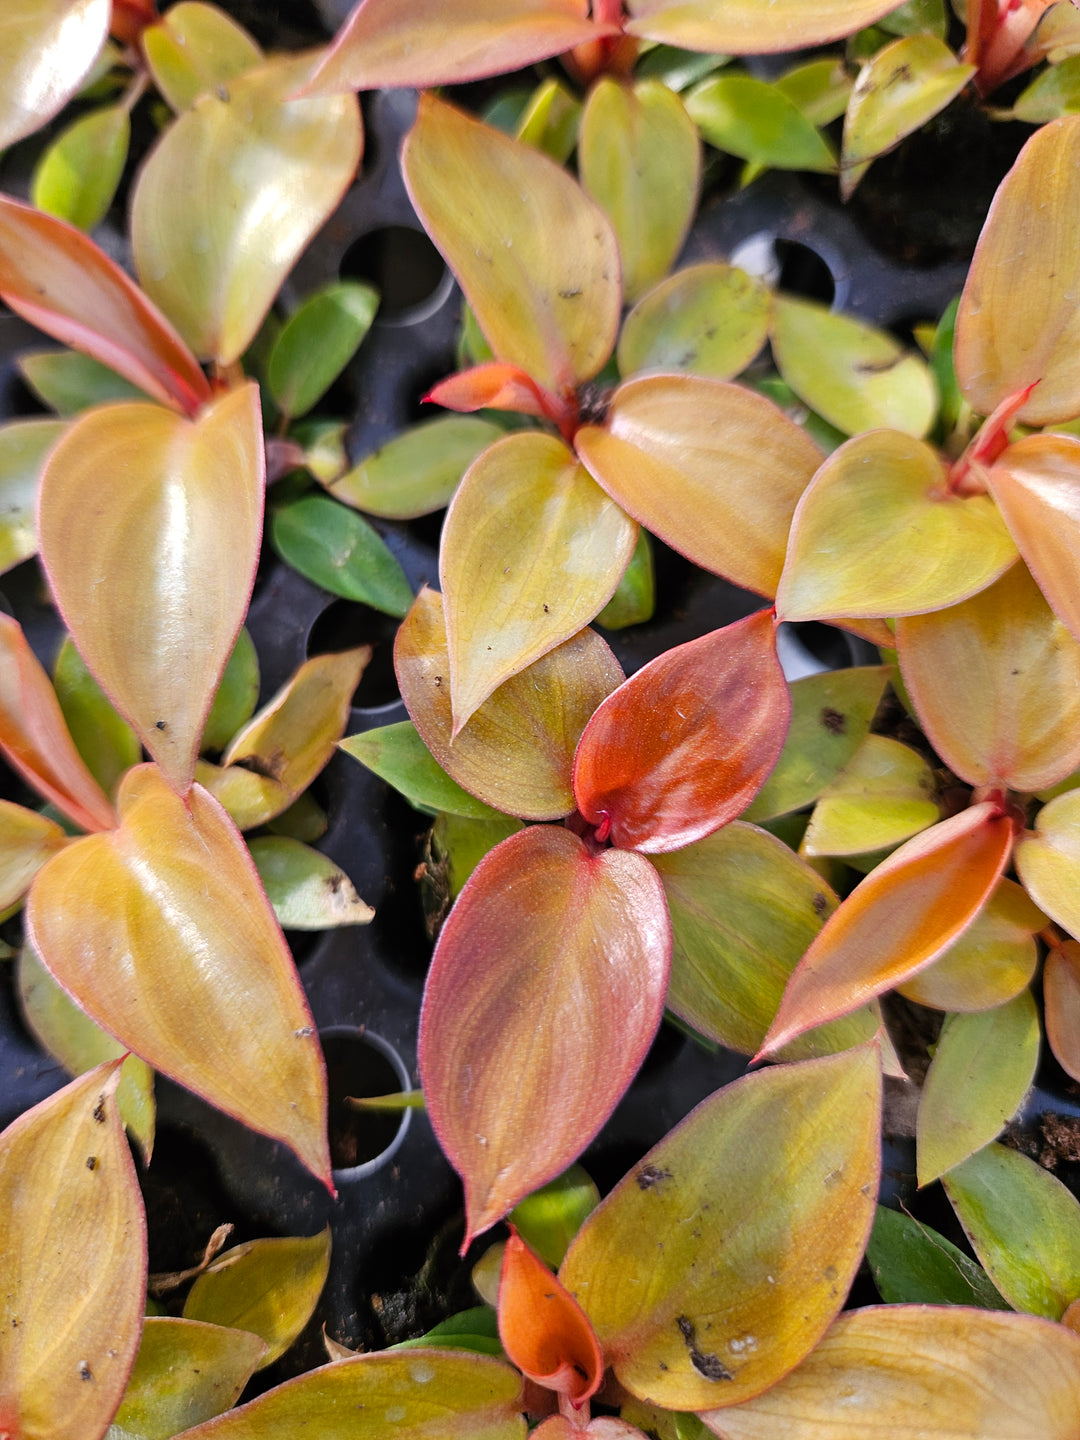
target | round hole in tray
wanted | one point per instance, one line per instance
(345, 623)
(786, 265)
(404, 266)
(360, 1064)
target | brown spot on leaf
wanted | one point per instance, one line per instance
(835, 721)
(85, 1373)
(709, 1366)
(99, 1110)
(819, 903)
(650, 1175)
(91, 1162)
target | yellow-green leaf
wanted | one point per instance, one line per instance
(170, 904)
(27, 839)
(1054, 92)
(229, 198)
(551, 120)
(153, 580)
(859, 378)
(884, 795)
(820, 88)
(195, 47)
(639, 157)
(48, 49)
(756, 121)
(743, 1292)
(709, 319)
(492, 206)
(982, 1068)
(1048, 862)
(73, 1258)
(523, 576)
(269, 1287)
(77, 175)
(419, 470)
(24, 445)
(749, 27)
(1061, 1004)
(307, 890)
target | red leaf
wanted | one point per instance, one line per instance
(685, 745)
(543, 1329)
(544, 994)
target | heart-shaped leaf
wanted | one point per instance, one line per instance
(522, 576)
(544, 994)
(709, 319)
(419, 470)
(878, 533)
(153, 580)
(27, 839)
(682, 747)
(55, 277)
(229, 198)
(1024, 1226)
(756, 121)
(443, 42)
(491, 205)
(1061, 1001)
(543, 1329)
(1036, 485)
(73, 1257)
(898, 920)
(1018, 321)
(741, 1294)
(982, 1068)
(49, 47)
(639, 157)
(185, 1372)
(170, 903)
(859, 378)
(403, 1395)
(917, 1372)
(712, 469)
(307, 890)
(744, 908)
(884, 795)
(749, 27)
(23, 448)
(195, 47)
(1048, 862)
(995, 682)
(77, 176)
(35, 739)
(993, 960)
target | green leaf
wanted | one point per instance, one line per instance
(337, 549)
(461, 843)
(635, 597)
(709, 319)
(196, 48)
(912, 1264)
(398, 755)
(1023, 1224)
(943, 369)
(419, 470)
(918, 16)
(77, 176)
(69, 382)
(678, 69)
(317, 341)
(549, 1218)
(107, 744)
(24, 446)
(269, 1287)
(234, 703)
(884, 795)
(476, 1329)
(307, 890)
(820, 89)
(756, 121)
(1056, 91)
(550, 120)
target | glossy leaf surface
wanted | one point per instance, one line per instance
(55, 277)
(915, 1372)
(441, 42)
(884, 795)
(1024, 1226)
(406, 1395)
(993, 960)
(491, 205)
(712, 469)
(857, 377)
(877, 534)
(982, 1068)
(548, 946)
(69, 382)
(49, 47)
(23, 448)
(1061, 997)
(317, 341)
(228, 199)
(185, 1372)
(170, 903)
(27, 839)
(737, 1298)
(397, 754)
(419, 470)
(995, 682)
(194, 47)
(747, 27)
(73, 1257)
(831, 715)
(681, 748)
(899, 919)
(709, 319)
(1036, 485)
(543, 1329)
(153, 584)
(639, 157)
(754, 120)
(1048, 862)
(71, 1037)
(269, 1287)
(522, 576)
(35, 739)
(1018, 322)
(77, 176)
(105, 741)
(338, 550)
(307, 890)
(744, 908)
(912, 1264)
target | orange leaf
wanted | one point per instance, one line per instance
(544, 994)
(687, 742)
(36, 740)
(162, 932)
(496, 386)
(899, 919)
(543, 1329)
(56, 277)
(1061, 1000)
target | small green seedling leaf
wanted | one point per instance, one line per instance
(339, 550)
(77, 175)
(476, 1329)
(635, 596)
(107, 743)
(317, 341)
(24, 445)
(307, 890)
(419, 470)
(1053, 93)
(820, 89)
(550, 120)
(69, 382)
(550, 1217)
(709, 319)
(459, 844)
(756, 121)
(397, 755)
(885, 794)
(234, 703)
(912, 1264)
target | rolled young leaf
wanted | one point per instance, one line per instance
(543, 1329)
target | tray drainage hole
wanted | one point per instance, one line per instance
(360, 1064)
(406, 269)
(345, 623)
(786, 265)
